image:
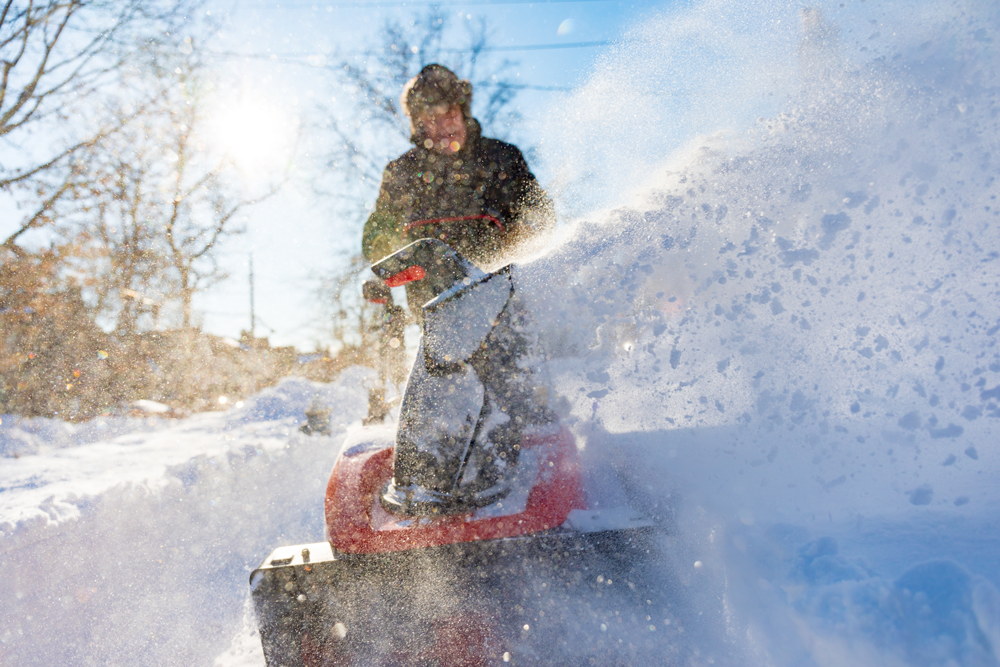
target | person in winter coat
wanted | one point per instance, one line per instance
(474, 193)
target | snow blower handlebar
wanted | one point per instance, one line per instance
(428, 260)
(376, 291)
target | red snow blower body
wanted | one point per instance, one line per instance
(470, 532)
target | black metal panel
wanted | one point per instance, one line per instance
(399, 608)
(280, 589)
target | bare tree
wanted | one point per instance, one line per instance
(153, 204)
(115, 228)
(103, 143)
(60, 62)
(200, 211)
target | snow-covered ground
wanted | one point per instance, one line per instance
(786, 332)
(135, 549)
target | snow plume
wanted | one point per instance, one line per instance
(833, 273)
(685, 75)
(793, 322)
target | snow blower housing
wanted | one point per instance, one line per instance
(477, 481)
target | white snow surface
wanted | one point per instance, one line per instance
(784, 332)
(135, 549)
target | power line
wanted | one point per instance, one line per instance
(295, 59)
(525, 86)
(538, 47)
(480, 84)
(522, 47)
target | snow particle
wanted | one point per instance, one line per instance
(910, 421)
(697, 565)
(950, 431)
(922, 495)
(831, 225)
(971, 413)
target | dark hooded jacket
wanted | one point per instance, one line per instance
(483, 201)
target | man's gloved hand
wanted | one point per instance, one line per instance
(376, 291)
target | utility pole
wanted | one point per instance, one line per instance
(253, 317)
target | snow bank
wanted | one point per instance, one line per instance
(136, 549)
(21, 436)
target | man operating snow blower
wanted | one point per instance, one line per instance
(474, 193)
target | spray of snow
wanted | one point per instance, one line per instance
(794, 328)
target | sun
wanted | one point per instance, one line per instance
(257, 135)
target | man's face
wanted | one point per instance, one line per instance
(443, 127)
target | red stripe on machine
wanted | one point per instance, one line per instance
(460, 218)
(407, 275)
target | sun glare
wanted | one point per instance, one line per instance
(256, 135)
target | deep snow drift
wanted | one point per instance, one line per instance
(785, 333)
